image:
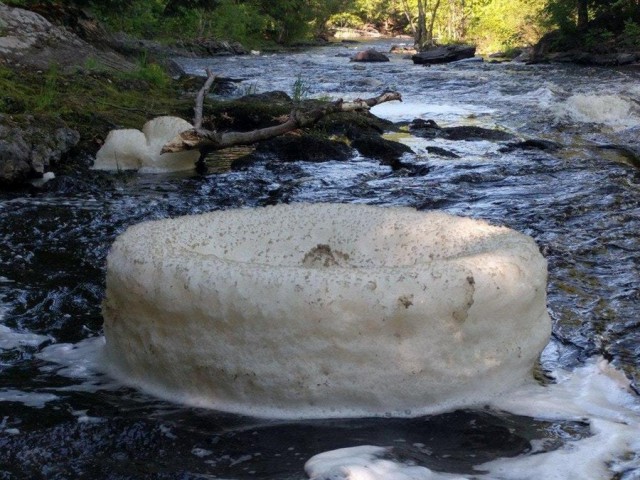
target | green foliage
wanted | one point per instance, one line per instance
(505, 24)
(631, 34)
(597, 37)
(241, 22)
(48, 94)
(299, 90)
(345, 20)
(142, 18)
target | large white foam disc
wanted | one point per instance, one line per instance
(325, 310)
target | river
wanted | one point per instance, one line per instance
(61, 418)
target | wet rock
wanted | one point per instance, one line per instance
(532, 144)
(444, 54)
(28, 150)
(403, 50)
(442, 152)
(355, 124)
(306, 148)
(370, 56)
(387, 151)
(631, 155)
(588, 58)
(430, 129)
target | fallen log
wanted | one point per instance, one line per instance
(205, 140)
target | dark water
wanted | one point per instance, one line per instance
(581, 204)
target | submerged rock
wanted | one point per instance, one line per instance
(430, 129)
(387, 151)
(442, 152)
(531, 144)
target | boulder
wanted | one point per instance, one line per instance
(305, 148)
(29, 149)
(444, 54)
(369, 56)
(29, 39)
(387, 151)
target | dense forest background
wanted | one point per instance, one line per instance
(492, 25)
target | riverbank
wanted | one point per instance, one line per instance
(65, 87)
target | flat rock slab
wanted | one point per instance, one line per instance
(445, 54)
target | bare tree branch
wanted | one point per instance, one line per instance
(197, 119)
(209, 140)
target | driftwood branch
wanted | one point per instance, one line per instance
(209, 140)
(197, 118)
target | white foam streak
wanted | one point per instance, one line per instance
(30, 399)
(10, 339)
(614, 111)
(597, 393)
(364, 463)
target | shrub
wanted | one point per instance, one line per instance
(631, 34)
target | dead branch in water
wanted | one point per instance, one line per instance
(210, 140)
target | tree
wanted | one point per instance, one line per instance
(583, 14)
(416, 13)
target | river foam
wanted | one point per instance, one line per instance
(596, 394)
(617, 112)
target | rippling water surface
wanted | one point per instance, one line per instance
(581, 203)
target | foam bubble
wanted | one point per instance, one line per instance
(596, 393)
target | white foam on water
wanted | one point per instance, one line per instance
(83, 361)
(30, 399)
(10, 339)
(365, 463)
(617, 112)
(80, 360)
(596, 393)
(408, 110)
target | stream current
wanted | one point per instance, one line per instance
(581, 203)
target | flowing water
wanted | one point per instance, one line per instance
(59, 418)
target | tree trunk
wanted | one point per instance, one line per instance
(432, 22)
(210, 140)
(583, 14)
(421, 27)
